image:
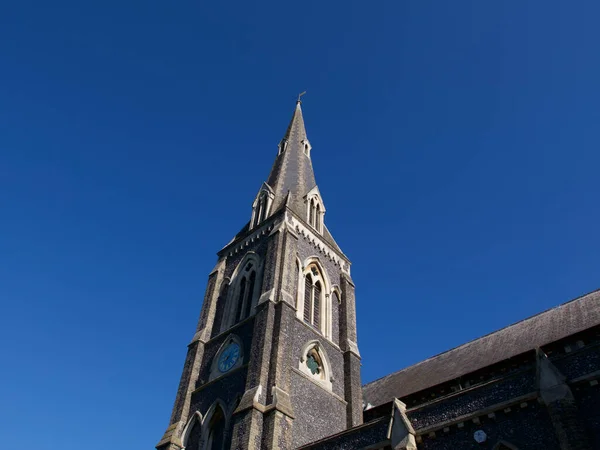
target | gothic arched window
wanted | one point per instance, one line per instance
(312, 302)
(193, 432)
(248, 303)
(315, 210)
(216, 430)
(313, 298)
(262, 205)
(243, 291)
(314, 364)
(308, 299)
(318, 221)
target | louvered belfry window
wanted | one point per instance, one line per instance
(248, 306)
(245, 293)
(317, 306)
(307, 299)
(241, 295)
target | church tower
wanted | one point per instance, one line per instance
(274, 362)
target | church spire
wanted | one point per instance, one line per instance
(292, 171)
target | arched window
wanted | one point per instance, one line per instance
(282, 146)
(317, 223)
(192, 432)
(308, 299)
(317, 305)
(315, 364)
(248, 303)
(241, 297)
(244, 290)
(221, 305)
(315, 211)
(312, 302)
(262, 205)
(313, 298)
(216, 430)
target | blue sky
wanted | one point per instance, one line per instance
(455, 144)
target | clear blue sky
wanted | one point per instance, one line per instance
(455, 143)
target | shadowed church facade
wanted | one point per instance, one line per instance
(274, 362)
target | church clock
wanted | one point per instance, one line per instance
(229, 357)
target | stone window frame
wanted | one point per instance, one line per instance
(261, 207)
(282, 146)
(204, 422)
(214, 366)
(325, 377)
(315, 209)
(185, 435)
(325, 308)
(240, 273)
(306, 147)
(204, 434)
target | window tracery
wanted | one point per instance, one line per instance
(315, 210)
(313, 298)
(216, 430)
(315, 364)
(192, 432)
(244, 290)
(313, 303)
(261, 207)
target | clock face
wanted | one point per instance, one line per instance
(480, 436)
(229, 357)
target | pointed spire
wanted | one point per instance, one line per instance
(292, 171)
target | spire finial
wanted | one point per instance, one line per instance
(299, 97)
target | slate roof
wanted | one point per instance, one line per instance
(292, 170)
(537, 331)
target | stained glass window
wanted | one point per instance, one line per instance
(313, 365)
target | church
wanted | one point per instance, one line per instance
(274, 362)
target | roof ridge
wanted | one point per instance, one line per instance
(482, 337)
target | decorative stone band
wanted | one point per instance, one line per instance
(318, 243)
(244, 243)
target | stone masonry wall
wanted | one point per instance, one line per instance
(527, 428)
